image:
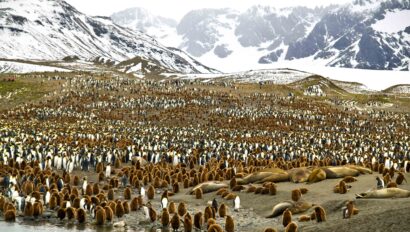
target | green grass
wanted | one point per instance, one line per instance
(24, 90)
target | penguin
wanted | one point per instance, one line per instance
(198, 220)
(134, 206)
(152, 214)
(71, 213)
(126, 207)
(175, 187)
(165, 220)
(236, 203)
(229, 224)
(164, 202)
(85, 184)
(209, 213)
(100, 216)
(222, 210)
(109, 213)
(400, 178)
(182, 209)
(291, 227)
(172, 207)
(96, 188)
(187, 223)
(37, 209)
(119, 210)
(110, 194)
(286, 217)
(108, 171)
(320, 214)
(269, 230)
(175, 222)
(379, 183)
(60, 184)
(215, 204)
(296, 195)
(61, 213)
(151, 192)
(28, 210)
(10, 215)
(127, 193)
(198, 193)
(215, 228)
(124, 180)
(81, 215)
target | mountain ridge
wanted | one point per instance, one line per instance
(52, 30)
(335, 36)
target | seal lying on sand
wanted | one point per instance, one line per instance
(293, 206)
(209, 186)
(265, 175)
(385, 193)
(299, 175)
(322, 173)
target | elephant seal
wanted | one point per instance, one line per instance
(209, 186)
(385, 193)
(265, 175)
(340, 172)
(294, 208)
(362, 170)
(322, 173)
(299, 175)
(318, 174)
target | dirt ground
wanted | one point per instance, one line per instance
(374, 214)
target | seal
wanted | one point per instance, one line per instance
(265, 175)
(209, 186)
(385, 193)
(299, 175)
(294, 207)
(318, 174)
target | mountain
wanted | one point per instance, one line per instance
(365, 34)
(141, 19)
(53, 30)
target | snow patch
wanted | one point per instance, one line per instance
(393, 22)
(17, 67)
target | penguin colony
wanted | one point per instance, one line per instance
(141, 138)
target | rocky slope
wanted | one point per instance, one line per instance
(53, 30)
(369, 34)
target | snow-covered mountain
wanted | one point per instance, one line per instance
(53, 29)
(368, 34)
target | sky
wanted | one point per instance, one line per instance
(176, 9)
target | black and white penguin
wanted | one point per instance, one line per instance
(380, 183)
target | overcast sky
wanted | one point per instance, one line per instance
(177, 8)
